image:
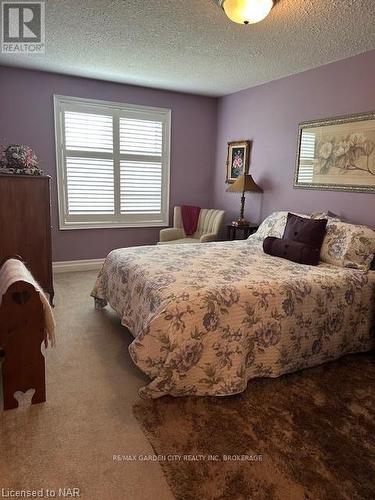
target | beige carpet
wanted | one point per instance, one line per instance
(69, 442)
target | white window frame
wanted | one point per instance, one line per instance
(117, 110)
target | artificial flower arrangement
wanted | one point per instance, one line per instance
(17, 159)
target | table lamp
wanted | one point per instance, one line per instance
(244, 184)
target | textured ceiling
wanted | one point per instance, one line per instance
(190, 45)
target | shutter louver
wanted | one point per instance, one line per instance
(141, 137)
(307, 155)
(141, 181)
(90, 186)
(88, 132)
(140, 187)
(90, 181)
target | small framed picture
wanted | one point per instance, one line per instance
(238, 160)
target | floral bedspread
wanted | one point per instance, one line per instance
(208, 317)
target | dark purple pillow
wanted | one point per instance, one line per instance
(308, 231)
(292, 250)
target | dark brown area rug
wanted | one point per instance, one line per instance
(314, 430)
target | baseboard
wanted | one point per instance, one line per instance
(70, 266)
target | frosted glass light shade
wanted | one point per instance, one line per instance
(247, 11)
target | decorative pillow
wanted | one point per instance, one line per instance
(273, 225)
(326, 214)
(308, 231)
(348, 245)
(292, 250)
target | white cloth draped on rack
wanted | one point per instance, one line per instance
(14, 270)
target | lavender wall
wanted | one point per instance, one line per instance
(26, 107)
(269, 115)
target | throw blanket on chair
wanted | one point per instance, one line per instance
(14, 270)
(190, 216)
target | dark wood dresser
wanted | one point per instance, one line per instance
(25, 224)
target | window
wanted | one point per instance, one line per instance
(113, 164)
(307, 154)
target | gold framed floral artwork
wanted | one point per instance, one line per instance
(337, 154)
(237, 160)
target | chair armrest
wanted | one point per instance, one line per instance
(208, 237)
(171, 233)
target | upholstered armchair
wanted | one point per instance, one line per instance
(210, 223)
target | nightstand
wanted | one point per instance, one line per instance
(245, 230)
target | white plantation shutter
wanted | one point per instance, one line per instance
(89, 180)
(141, 137)
(88, 132)
(306, 159)
(141, 178)
(90, 185)
(113, 164)
(141, 187)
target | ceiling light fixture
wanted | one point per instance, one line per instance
(246, 11)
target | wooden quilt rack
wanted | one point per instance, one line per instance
(21, 336)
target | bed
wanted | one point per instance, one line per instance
(208, 318)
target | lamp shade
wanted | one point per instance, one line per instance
(245, 184)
